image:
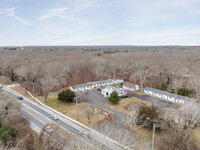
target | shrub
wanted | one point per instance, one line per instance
(114, 98)
(185, 92)
(164, 87)
(6, 132)
(66, 95)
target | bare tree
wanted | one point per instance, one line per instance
(195, 84)
(89, 114)
(177, 127)
(142, 73)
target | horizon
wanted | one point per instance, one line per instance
(101, 46)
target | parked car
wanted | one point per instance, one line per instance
(84, 133)
(124, 96)
(54, 117)
(20, 97)
(98, 89)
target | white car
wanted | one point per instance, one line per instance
(54, 117)
(84, 133)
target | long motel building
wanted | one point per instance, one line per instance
(174, 98)
(95, 84)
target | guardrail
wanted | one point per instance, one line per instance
(80, 124)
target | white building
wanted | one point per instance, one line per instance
(130, 87)
(95, 84)
(174, 98)
(109, 89)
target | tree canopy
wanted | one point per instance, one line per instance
(147, 116)
(114, 98)
(66, 96)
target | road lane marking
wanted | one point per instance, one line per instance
(68, 131)
(33, 115)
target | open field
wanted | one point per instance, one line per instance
(69, 109)
(196, 136)
(139, 92)
(124, 102)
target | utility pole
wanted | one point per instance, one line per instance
(153, 136)
(33, 87)
(77, 114)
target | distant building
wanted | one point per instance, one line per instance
(109, 89)
(95, 84)
(174, 98)
(130, 87)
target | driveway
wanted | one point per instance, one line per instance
(155, 101)
(96, 98)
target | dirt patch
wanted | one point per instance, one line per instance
(109, 116)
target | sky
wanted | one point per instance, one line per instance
(99, 22)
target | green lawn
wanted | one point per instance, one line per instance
(124, 102)
(22, 91)
(69, 109)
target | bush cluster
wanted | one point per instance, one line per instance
(6, 133)
(114, 98)
(66, 96)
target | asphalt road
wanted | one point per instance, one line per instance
(40, 115)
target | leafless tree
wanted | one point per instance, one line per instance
(195, 84)
(142, 72)
(89, 114)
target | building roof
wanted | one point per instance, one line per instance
(93, 83)
(167, 93)
(129, 85)
(117, 89)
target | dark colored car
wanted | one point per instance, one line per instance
(98, 89)
(20, 97)
(124, 96)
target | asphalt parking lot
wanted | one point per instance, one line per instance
(96, 98)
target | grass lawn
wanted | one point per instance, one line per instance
(143, 133)
(7, 83)
(69, 109)
(124, 102)
(196, 136)
(22, 91)
(139, 92)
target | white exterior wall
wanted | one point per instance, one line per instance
(72, 89)
(165, 97)
(145, 91)
(106, 92)
(88, 88)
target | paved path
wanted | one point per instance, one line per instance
(40, 115)
(96, 98)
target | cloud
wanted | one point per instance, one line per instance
(58, 12)
(79, 11)
(11, 13)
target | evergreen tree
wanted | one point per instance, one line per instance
(114, 98)
(66, 95)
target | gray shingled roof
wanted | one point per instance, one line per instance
(167, 93)
(92, 83)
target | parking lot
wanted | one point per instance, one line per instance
(96, 98)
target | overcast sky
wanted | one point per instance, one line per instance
(99, 22)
